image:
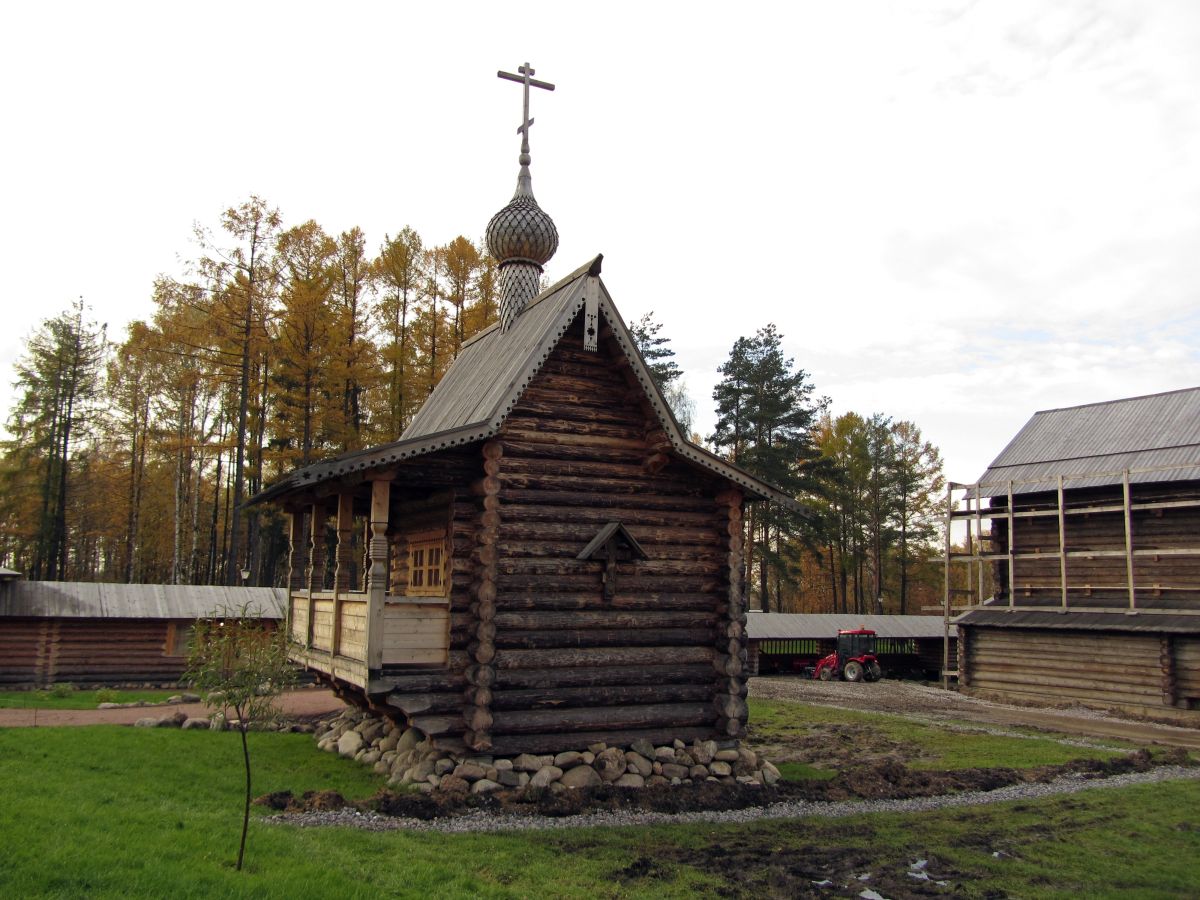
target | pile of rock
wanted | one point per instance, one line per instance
(407, 756)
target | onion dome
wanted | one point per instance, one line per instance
(521, 237)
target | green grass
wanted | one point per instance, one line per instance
(937, 747)
(72, 699)
(798, 771)
(108, 811)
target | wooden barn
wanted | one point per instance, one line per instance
(103, 634)
(1089, 521)
(787, 643)
(551, 562)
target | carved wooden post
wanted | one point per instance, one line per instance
(316, 564)
(341, 573)
(731, 657)
(377, 573)
(297, 564)
(481, 676)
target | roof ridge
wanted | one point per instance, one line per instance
(1117, 400)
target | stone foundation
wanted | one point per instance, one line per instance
(407, 757)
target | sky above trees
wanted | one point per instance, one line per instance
(955, 213)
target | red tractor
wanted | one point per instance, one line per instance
(854, 659)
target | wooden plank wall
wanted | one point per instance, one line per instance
(1120, 671)
(555, 665)
(87, 651)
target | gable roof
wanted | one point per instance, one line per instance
(481, 387)
(88, 600)
(1157, 431)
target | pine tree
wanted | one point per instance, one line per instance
(765, 416)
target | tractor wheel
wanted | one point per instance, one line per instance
(874, 672)
(825, 674)
(852, 671)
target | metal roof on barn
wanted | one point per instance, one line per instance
(1159, 432)
(87, 600)
(486, 381)
(798, 626)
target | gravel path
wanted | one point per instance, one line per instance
(484, 821)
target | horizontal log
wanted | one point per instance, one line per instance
(606, 656)
(525, 582)
(600, 695)
(642, 568)
(417, 704)
(438, 725)
(555, 742)
(661, 715)
(570, 529)
(425, 682)
(632, 515)
(587, 600)
(512, 496)
(599, 676)
(604, 618)
(562, 425)
(600, 637)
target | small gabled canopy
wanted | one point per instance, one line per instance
(485, 382)
(615, 534)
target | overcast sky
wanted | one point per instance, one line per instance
(955, 213)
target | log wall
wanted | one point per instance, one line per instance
(89, 651)
(1146, 675)
(552, 664)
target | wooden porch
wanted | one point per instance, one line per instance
(354, 635)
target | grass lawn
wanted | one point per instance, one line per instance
(110, 811)
(72, 699)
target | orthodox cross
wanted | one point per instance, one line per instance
(525, 78)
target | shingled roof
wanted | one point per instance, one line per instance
(492, 370)
(1101, 440)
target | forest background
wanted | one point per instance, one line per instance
(283, 345)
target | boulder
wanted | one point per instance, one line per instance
(720, 768)
(643, 747)
(174, 720)
(443, 766)
(568, 759)
(674, 770)
(527, 763)
(452, 784)
(484, 786)
(770, 775)
(703, 752)
(109, 706)
(389, 740)
(509, 778)
(349, 743)
(610, 764)
(580, 776)
(503, 764)
(631, 780)
(147, 722)
(370, 730)
(597, 749)
(469, 771)
(729, 756)
(370, 758)
(698, 772)
(409, 740)
(544, 776)
(175, 699)
(664, 754)
(635, 762)
(190, 697)
(195, 722)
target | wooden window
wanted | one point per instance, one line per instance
(427, 567)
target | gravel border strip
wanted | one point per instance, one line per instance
(482, 821)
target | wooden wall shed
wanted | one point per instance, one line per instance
(551, 562)
(103, 634)
(1090, 524)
